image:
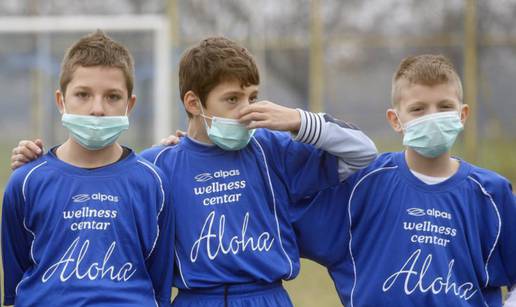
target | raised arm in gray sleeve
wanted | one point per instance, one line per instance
(352, 147)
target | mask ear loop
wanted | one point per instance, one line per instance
(399, 121)
(204, 117)
(64, 107)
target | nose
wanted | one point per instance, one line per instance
(97, 107)
(431, 109)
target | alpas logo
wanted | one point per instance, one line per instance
(203, 177)
(430, 212)
(80, 198)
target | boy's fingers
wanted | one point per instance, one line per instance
(170, 140)
(180, 133)
(255, 107)
(259, 124)
(163, 141)
(254, 116)
(16, 164)
(27, 152)
(39, 143)
(17, 161)
(173, 140)
(34, 148)
(20, 158)
(30, 145)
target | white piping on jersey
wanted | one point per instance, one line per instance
(159, 153)
(18, 285)
(25, 199)
(499, 226)
(160, 209)
(350, 224)
(180, 269)
(274, 205)
(175, 250)
(27, 177)
(154, 297)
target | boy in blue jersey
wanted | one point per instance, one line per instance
(233, 179)
(89, 223)
(418, 227)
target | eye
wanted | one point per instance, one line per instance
(82, 95)
(113, 97)
(415, 109)
(232, 99)
(253, 99)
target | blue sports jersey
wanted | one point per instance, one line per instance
(388, 239)
(87, 237)
(233, 224)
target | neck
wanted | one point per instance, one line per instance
(73, 153)
(442, 166)
(197, 130)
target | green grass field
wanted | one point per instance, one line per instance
(313, 287)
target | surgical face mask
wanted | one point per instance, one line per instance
(227, 133)
(432, 135)
(95, 132)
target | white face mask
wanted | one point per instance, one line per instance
(227, 133)
(95, 132)
(432, 135)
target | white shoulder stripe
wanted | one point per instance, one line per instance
(350, 224)
(160, 209)
(24, 221)
(499, 227)
(27, 177)
(159, 153)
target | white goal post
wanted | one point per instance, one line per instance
(157, 24)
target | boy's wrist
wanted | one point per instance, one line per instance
(310, 129)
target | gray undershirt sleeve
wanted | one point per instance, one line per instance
(350, 145)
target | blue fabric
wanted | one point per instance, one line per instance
(245, 295)
(78, 237)
(388, 239)
(232, 207)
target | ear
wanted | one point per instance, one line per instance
(192, 102)
(130, 104)
(393, 120)
(60, 101)
(464, 113)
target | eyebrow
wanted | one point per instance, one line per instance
(87, 88)
(233, 93)
(416, 103)
(115, 90)
(81, 87)
(446, 101)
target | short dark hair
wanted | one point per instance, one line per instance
(97, 49)
(212, 61)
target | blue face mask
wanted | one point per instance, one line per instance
(434, 134)
(95, 132)
(227, 133)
